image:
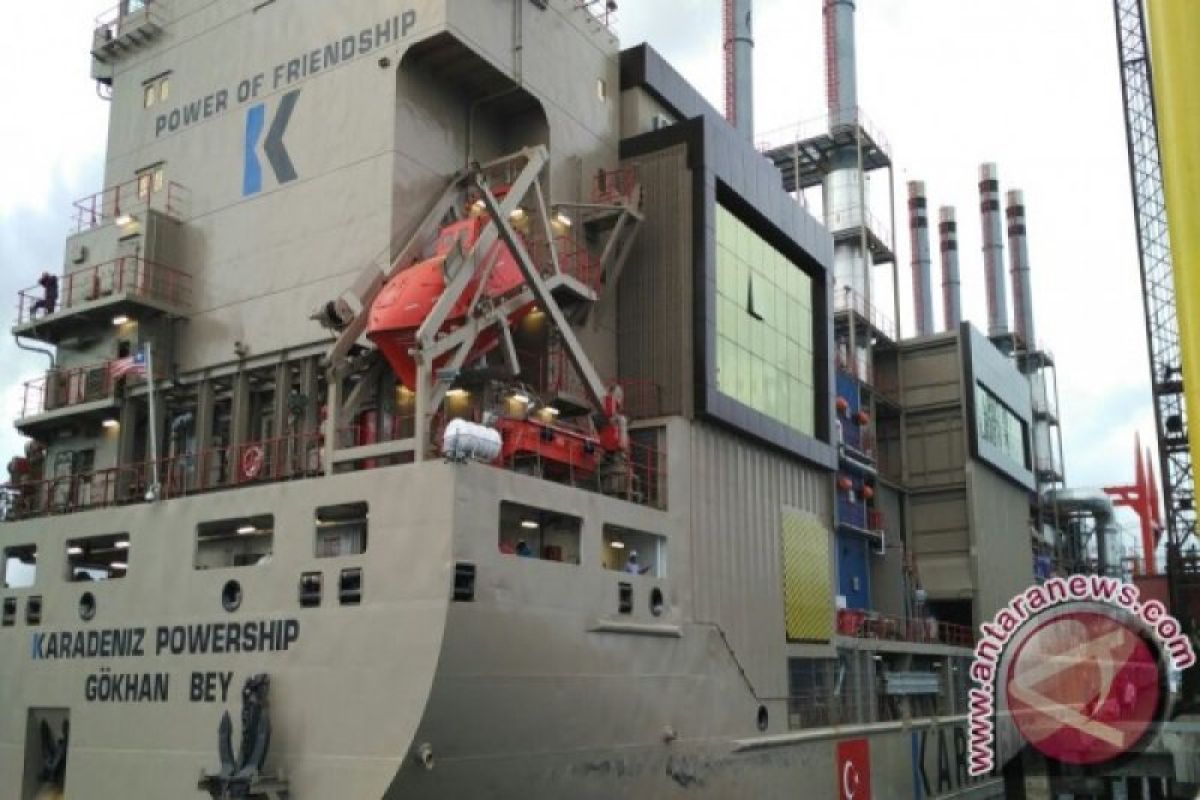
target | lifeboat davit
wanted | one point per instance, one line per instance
(408, 298)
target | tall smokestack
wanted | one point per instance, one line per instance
(951, 293)
(922, 280)
(993, 250)
(843, 183)
(1018, 250)
(841, 73)
(739, 65)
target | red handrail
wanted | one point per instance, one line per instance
(128, 198)
(65, 387)
(130, 275)
(865, 624)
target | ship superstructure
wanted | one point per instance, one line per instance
(463, 406)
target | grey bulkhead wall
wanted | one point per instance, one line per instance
(261, 262)
(1003, 556)
(544, 70)
(939, 534)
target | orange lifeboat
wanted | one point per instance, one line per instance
(407, 300)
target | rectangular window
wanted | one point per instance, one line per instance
(20, 566)
(341, 530)
(156, 90)
(98, 558)
(150, 180)
(539, 533)
(239, 542)
(635, 552)
(764, 353)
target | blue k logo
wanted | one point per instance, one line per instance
(274, 148)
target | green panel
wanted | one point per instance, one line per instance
(807, 578)
(764, 358)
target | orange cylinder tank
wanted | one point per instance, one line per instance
(408, 298)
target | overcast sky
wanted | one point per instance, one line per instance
(1030, 84)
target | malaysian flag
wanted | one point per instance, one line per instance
(130, 365)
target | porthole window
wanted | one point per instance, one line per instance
(87, 607)
(657, 604)
(231, 596)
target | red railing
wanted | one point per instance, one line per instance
(62, 388)
(128, 199)
(639, 478)
(613, 187)
(110, 24)
(862, 624)
(576, 260)
(267, 461)
(128, 275)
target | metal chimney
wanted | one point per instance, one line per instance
(922, 280)
(1018, 249)
(844, 182)
(739, 65)
(993, 250)
(841, 75)
(951, 293)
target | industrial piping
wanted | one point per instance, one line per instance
(1096, 503)
(951, 290)
(922, 280)
(1018, 250)
(993, 250)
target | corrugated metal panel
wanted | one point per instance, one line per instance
(807, 582)
(739, 490)
(654, 334)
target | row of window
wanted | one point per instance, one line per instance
(340, 530)
(538, 533)
(156, 91)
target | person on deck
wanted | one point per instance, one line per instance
(523, 549)
(49, 301)
(633, 567)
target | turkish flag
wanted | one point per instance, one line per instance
(854, 769)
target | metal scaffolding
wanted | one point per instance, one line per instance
(1158, 286)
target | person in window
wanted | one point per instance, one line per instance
(49, 301)
(523, 549)
(633, 567)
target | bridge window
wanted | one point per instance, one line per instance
(635, 552)
(239, 542)
(539, 533)
(20, 566)
(98, 558)
(341, 530)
